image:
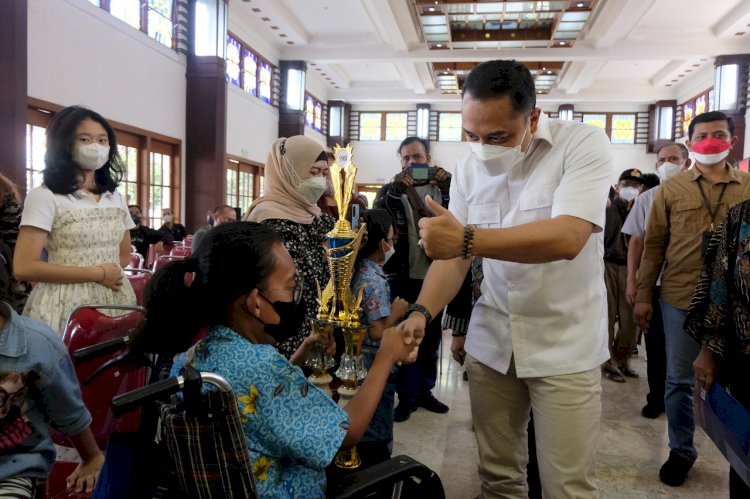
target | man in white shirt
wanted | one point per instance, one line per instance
(530, 199)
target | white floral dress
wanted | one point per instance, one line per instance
(83, 237)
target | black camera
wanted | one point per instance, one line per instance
(421, 172)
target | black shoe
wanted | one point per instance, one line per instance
(630, 373)
(651, 411)
(466, 375)
(403, 411)
(675, 470)
(432, 404)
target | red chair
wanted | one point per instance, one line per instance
(181, 251)
(138, 279)
(187, 241)
(102, 376)
(165, 259)
(136, 261)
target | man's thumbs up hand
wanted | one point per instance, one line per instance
(441, 236)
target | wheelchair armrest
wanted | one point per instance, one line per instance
(370, 481)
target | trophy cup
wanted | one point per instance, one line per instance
(338, 307)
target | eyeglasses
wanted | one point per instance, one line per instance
(297, 291)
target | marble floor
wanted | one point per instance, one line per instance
(631, 448)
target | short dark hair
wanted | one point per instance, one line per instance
(707, 118)
(135, 206)
(495, 79)
(378, 222)
(650, 180)
(61, 173)
(411, 140)
(683, 150)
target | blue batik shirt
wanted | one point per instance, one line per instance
(293, 430)
(376, 304)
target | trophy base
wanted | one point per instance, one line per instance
(347, 392)
(348, 459)
(323, 379)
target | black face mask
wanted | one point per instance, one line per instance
(136, 219)
(292, 316)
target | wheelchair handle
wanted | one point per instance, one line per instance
(100, 349)
(136, 398)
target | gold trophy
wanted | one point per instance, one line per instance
(338, 307)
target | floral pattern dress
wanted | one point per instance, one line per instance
(83, 237)
(293, 430)
(305, 243)
(376, 304)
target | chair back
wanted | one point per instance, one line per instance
(87, 326)
(138, 279)
(136, 260)
(165, 259)
(181, 251)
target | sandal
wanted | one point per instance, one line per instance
(613, 376)
(630, 373)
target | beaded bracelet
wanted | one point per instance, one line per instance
(468, 240)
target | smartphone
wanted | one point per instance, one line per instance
(421, 172)
(355, 216)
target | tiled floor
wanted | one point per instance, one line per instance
(631, 448)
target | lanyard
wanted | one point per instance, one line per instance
(711, 212)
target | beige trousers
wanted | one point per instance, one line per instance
(566, 420)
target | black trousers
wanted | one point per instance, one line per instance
(656, 366)
(736, 374)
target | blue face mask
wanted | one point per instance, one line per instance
(211, 222)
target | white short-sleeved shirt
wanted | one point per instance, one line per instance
(551, 317)
(635, 224)
(42, 205)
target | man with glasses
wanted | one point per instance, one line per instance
(222, 214)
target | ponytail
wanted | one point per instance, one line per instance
(174, 314)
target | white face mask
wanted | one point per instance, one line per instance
(667, 170)
(497, 159)
(167, 219)
(312, 188)
(710, 159)
(91, 156)
(628, 193)
(388, 254)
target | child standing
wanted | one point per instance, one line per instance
(377, 443)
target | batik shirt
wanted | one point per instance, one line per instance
(305, 243)
(376, 304)
(719, 314)
(293, 430)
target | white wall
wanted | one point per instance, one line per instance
(252, 125)
(80, 54)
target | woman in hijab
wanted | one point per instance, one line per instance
(296, 171)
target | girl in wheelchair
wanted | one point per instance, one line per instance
(246, 292)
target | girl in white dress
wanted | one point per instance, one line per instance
(80, 218)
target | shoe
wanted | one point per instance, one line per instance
(651, 411)
(629, 372)
(432, 404)
(403, 411)
(612, 373)
(466, 375)
(675, 470)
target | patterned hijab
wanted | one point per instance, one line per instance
(288, 164)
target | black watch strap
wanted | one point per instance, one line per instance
(416, 307)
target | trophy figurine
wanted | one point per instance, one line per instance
(337, 306)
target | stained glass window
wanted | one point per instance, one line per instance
(159, 194)
(309, 111)
(233, 61)
(370, 125)
(160, 26)
(318, 123)
(129, 185)
(249, 72)
(711, 100)
(266, 75)
(395, 126)
(449, 127)
(36, 146)
(700, 105)
(598, 120)
(623, 129)
(687, 116)
(127, 10)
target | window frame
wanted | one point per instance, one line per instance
(437, 127)
(144, 10)
(608, 124)
(709, 95)
(239, 165)
(383, 125)
(323, 110)
(40, 113)
(260, 60)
